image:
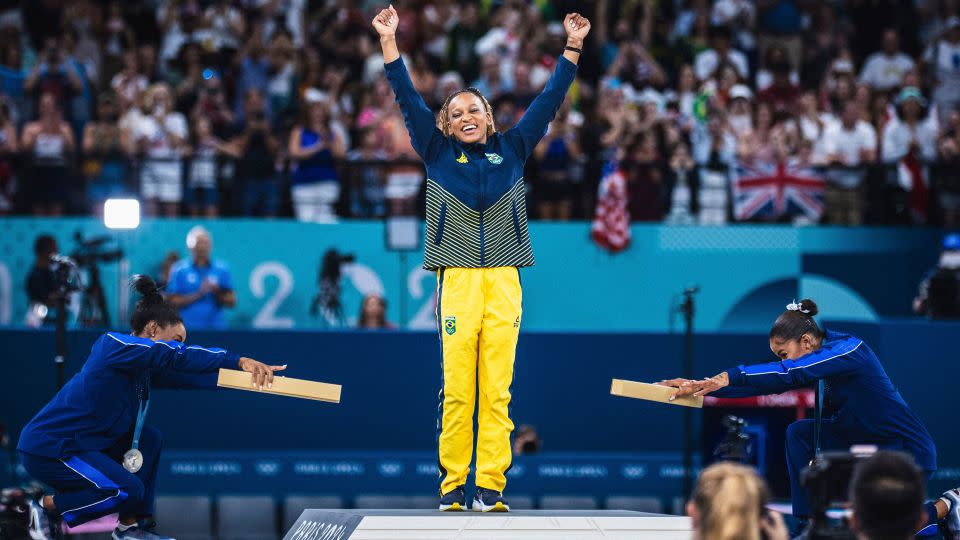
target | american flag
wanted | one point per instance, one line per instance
(611, 224)
(768, 191)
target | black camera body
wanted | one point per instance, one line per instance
(827, 482)
(735, 445)
(90, 251)
(66, 274)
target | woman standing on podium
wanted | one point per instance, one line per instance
(90, 443)
(476, 241)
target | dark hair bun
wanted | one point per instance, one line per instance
(147, 287)
(810, 307)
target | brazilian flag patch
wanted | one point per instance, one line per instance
(494, 158)
(450, 324)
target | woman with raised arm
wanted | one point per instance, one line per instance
(476, 241)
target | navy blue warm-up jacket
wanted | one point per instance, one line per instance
(99, 404)
(860, 400)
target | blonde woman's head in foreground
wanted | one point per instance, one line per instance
(728, 503)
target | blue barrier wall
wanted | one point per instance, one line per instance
(746, 273)
(391, 379)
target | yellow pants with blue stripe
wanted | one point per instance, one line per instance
(478, 315)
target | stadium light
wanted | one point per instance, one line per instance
(121, 213)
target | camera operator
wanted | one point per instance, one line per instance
(200, 287)
(939, 295)
(887, 497)
(41, 282)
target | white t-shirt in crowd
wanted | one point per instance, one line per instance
(814, 132)
(158, 140)
(947, 63)
(706, 63)
(765, 79)
(848, 144)
(882, 72)
(898, 137)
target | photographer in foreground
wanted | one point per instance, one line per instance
(887, 495)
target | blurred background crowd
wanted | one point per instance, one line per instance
(802, 111)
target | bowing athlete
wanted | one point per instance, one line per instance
(861, 405)
(90, 443)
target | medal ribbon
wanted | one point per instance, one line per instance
(142, 408)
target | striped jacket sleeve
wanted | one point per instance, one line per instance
(845, 357)
(138, 353)
(420, 121)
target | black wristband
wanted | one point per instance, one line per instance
(574, 49)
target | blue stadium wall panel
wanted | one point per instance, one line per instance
(390, 386)
(746, 273)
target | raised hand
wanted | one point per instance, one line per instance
(386, 22)
(577, 27)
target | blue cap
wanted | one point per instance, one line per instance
(951, 242)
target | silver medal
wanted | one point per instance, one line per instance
(133, 460)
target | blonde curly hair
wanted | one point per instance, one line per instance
(730, 499)
(443, 120)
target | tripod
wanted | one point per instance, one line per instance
(93, 303)
(687, 309)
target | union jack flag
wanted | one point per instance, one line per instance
(769, 191)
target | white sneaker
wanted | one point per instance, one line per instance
(136, 533)
(488, 500)
(43, 525)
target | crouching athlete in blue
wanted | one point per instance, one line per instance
(90, 443)
(860, 403)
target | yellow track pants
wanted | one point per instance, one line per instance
(478, 316)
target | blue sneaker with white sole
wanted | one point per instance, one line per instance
(488, 500)
(454, 501)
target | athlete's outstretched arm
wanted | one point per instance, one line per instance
(420, 120)
(533, 125)
(131, 352)
(776, 377)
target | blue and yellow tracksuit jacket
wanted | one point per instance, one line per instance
(476, 239)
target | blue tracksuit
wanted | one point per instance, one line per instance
(861, 405)
(75, 443)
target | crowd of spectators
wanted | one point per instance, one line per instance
(280, 107)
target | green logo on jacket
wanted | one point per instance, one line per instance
(495, 158)
(450, 324)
